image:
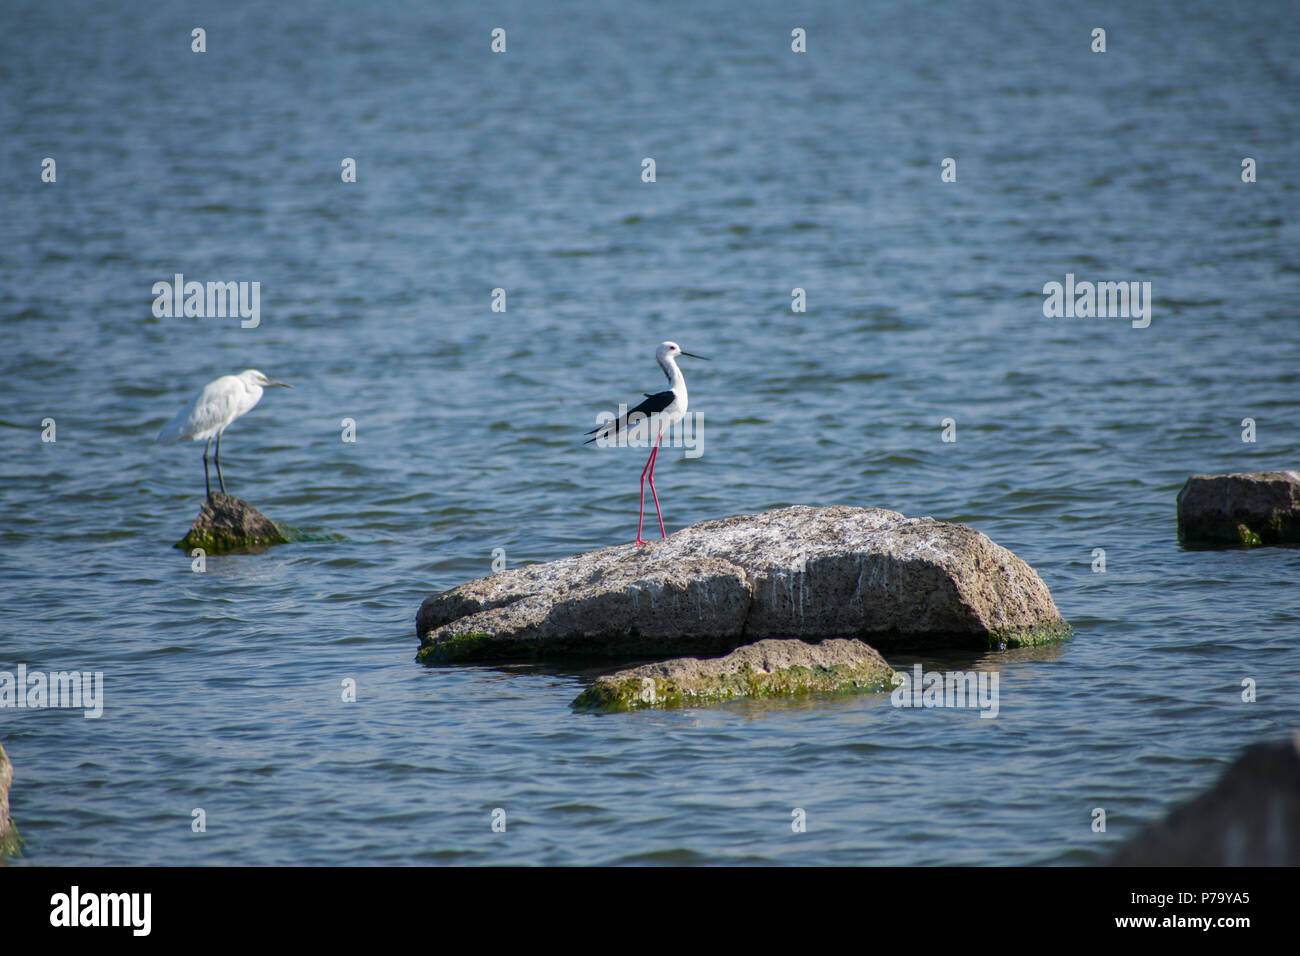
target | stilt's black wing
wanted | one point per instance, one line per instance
(652, 405)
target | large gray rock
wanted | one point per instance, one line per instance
(1251, 817)
(1261, 507)
(800, 572)
(9, 842)
(227, 523)
(766, 669)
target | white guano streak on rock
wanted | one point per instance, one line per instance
(925, 546)
(879, 579)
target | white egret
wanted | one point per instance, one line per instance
(656, 415)
(220, 403)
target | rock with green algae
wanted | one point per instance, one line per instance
(1251, 508)
(10, 843)
(797, 572)
(227, 523)
(769, 668)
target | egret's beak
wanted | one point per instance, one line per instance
(706, 358)
(272, 383)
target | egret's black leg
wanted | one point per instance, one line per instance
(221, 481)
(207, 488)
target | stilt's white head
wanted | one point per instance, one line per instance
(672, 349)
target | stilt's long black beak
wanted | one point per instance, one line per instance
(690, 355)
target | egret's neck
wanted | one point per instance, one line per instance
(675, 380)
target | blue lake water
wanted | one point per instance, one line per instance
(522, 171)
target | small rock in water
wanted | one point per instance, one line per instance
(768, 668)
(227, 523)
(1254, 508)
(1251, 817)
(9, 841)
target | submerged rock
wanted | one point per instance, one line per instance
(227, 523)
(1251, 817)
(798, 572)
(9, 840)
(1261, 507)
(768, 668)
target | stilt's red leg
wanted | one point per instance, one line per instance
(641, 516)
(653, 456)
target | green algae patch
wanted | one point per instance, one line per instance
(217, 541)
(1040, 635)
(454, 649)
(318, 537)
(11, 842)
(633, 694)
(688, 682)
(1043, 634)
(1249, 538)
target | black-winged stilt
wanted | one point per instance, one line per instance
(658, 413)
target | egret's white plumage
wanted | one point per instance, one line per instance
(213, 409)
(649, 420)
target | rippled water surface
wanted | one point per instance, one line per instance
(522, 171)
